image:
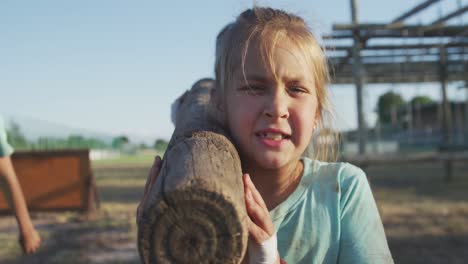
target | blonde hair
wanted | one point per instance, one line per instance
(269, 26)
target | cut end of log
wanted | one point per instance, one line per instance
(192, 226)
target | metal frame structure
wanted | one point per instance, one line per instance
(439, 56)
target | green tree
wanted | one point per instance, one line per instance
(44, 143)
(160, 145)
(119, 142)
(421, 100)
(72, 142)
(142, 146)
(16, 137)
(388, 105)
(95, 143)
(76, 141)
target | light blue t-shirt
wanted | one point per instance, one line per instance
(331, 217)
(5, 148)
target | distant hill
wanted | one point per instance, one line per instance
(34, 128)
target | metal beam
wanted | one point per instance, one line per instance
(450, 16)
(420, 68)
(431, 57)
(407, 72)
(407, 31)
(411, 31)
(459, 38)
(392, 25)
(413, 11)
(401, 47)
(379, 26)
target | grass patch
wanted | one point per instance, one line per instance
(125, 160)
(10, 245)
(143, 158)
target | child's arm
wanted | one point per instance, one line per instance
(29, 237)
(362, 233)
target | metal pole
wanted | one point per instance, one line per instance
(357, 73)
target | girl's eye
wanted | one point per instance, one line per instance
(253, 89)
(297, 89)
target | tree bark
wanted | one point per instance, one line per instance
(196, 212)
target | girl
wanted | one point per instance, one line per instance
(271, 77)
(29, 238)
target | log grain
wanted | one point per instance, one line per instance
(195, 211)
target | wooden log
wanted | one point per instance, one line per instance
(195, 212)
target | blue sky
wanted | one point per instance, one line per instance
(116, 66)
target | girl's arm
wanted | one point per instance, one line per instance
(29, 237)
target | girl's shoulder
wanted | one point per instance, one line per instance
(341, 173)
(338, 183)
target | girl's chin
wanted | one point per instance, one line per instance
(269, 162)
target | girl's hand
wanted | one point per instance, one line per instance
(30, 241)
(262, 246)
(153, 174)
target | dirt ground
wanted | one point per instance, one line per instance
(426, 219)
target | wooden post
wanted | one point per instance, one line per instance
(465, 132)
(410, 118)
(446, 117)
(458, 119)
(357, 74)
(196, 209)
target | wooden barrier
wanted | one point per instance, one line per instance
(445, 158)
(54, 180)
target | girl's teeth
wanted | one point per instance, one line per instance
(273, 136)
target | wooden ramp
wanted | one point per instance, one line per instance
(55, 180)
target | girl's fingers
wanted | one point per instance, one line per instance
(256, 209)
(258, 215)
(256, 195)
(257, 233)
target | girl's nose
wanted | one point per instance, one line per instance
(276, 107)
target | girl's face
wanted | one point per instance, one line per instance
(271, 113)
